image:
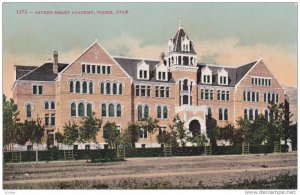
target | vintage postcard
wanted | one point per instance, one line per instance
(150, 96)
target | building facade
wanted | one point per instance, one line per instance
(125, 90)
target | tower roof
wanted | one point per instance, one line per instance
(179, 36)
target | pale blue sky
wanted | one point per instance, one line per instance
(153, 23)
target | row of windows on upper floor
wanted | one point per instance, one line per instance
(208, 94)
(96, 69)
(107, 87)
(145, 91)
(254, 97)
(260, 81)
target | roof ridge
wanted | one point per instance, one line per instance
(134, 58)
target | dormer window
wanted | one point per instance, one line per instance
(161, 72)
(222, 77)
(185, 44)
(206, 77)
(143, 70)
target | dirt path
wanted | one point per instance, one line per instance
(209, 170)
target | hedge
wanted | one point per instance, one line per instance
(110, 154)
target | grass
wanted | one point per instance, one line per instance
(283, 181)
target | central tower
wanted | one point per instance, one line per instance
(181, 60)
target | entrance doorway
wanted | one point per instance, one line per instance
(195, 127)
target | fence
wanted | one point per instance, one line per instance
(112, 154)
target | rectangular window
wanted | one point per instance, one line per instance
(163, 75)
(108, 70)
(167, 92)
(204, 79)
(98, 69)
(227, 95)
(52, 119)
(88, 68)
(143, 91)
(93, 69)
(141, 74)
(159, 75)
(40, 90)
(219, 95)
(148, 91)
(143, 133)
(206, 97)
(137, 90)
(156, 92)
(211, 94)
(208, 79)
(46, 119)
(83, 68)
(34, 89)
(202, 94)
(145, 74)
(103, 70)
(162, 91)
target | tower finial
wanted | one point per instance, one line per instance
(180, 23)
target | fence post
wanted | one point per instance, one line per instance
(277, 147)
(207, 149)
(168, 150)
(245, 148)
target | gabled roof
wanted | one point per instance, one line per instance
(22, 70)
(130, 66)
(41, 73)
(177, 41)
(235, 74)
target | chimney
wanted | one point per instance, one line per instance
(55, 62)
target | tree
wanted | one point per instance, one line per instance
(59, 137)
(131, 134)
(33, 132)
(111, 134)
(10, 121)
(179, 129)
(70, 133)
(259, 130)
(150, 125)
(276, 125)
(199, 140)
(90, 126)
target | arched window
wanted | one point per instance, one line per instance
(91, 88)
(120, 89)
(114, 88)
(84, 87)
(185, 84)
(73, 109)
(245, 114)
(119, 110)
(250, 115)
(102, 88)
(46, 105)
(253, 97)
(267, 115)
(146, 112)
(273, 97)
(209, 113)
(28, 111)
(89, 109)
(158, 112)
(140, 110)
(220, 114)
(107, 88)
(165, 111)
(248, 96)
(77, 87)
(81, 109)
(52, 105)
(103, 110)
(225, 114)
(71, 86)
(256, 114)
(276, 98)
(111, 110)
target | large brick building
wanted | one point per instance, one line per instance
(123, 90)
